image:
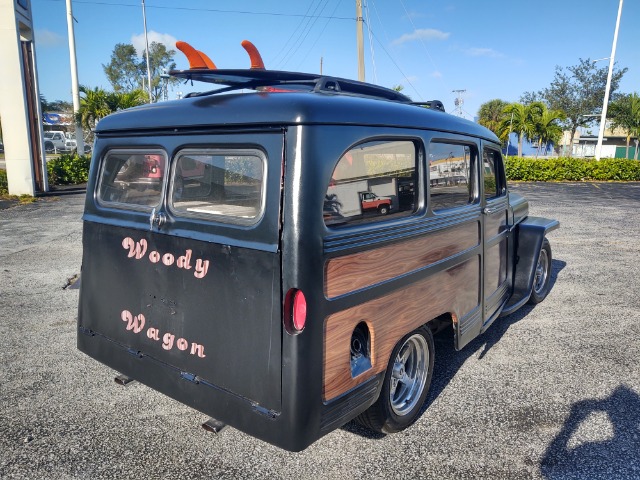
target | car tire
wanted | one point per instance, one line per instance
(48, 147)
(383, 210)
(406, 384)
(541, 275)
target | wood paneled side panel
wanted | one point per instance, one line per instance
(456, 290)
(352, 272)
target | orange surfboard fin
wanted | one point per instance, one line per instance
(208, 62)
(254, 55)
(195, 58)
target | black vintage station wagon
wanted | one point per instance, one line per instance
(231, 262)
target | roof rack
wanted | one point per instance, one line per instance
(237, 79)
(202, 69)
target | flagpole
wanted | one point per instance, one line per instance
(75, 89)
(146, 51)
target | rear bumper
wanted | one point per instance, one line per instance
(287, 429)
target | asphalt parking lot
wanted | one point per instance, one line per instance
(550, 392)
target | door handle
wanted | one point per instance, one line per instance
(489, 210)
(157, 218)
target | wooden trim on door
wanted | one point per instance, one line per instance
(359, 270)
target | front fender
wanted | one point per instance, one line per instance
(530, 234)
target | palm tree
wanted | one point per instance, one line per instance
(491, 114)
(93, 107)
(520, 119)
(625, 114)
(98, 103)
(547, 129)
(123, 100)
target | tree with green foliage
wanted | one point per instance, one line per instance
(578, 91)
(61, 106)
(520, 119)
(98, 103)
(123, 69)
(625, 114)
(160, 59)
(93, 107)
(547, 127)
(127, 72)
(491, 114)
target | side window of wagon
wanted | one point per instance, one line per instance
(222, 185)
(372, 182)
(495, 184)
(132, 178)
(452, 175)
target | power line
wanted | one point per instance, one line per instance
(373, 56)
(273, 60)
(319, 36)
(422, 42)
(194, 9)
(396, 65)
(310, 24)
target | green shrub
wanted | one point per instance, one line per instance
(69, 169)
(4, 183)
(571, 169)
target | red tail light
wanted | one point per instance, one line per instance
(295, 307)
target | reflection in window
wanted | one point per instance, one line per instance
(493, 180)
(372, 182)
(133, 179)
(224, 184)
(451, 175)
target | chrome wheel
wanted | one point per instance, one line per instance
(542, 272)
(409, 375)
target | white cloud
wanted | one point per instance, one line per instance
(138, 40)
(422, 34)
(483, 52)
(47, 38)
(436, 74)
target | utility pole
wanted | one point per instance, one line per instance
(360, 39)
(603, 117)
(320, 65)
(146, 43)
(75, 89)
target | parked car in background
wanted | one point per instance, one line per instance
(371, 201)
(58, 141)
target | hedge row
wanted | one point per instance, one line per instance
(69, 169)
(4, 183)
(74, 169)
(571, 169)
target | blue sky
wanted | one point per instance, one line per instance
(490, 48)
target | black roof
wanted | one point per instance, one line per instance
(353, 103)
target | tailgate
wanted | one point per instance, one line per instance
(204, 311)
(181, 266)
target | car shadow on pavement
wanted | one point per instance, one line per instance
(575, 453)
(448, 361)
